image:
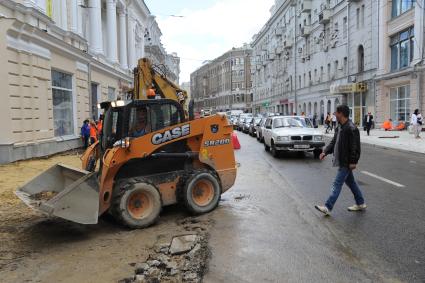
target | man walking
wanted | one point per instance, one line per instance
(368, 121)
(345, 147)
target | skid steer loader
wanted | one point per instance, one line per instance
(150, 155)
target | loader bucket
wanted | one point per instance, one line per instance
(65, 192)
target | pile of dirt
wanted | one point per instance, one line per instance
(183, 259)
(14, 214)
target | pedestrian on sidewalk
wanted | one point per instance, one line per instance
(368, 122)
(328, 122)
(85, 133)
(345, 147)
(334, 119)
(417, 122)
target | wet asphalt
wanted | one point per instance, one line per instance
(267, 230)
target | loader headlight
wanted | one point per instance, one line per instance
(124, 143)
(318, 138)
(283, 139)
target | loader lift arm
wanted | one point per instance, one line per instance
(146, 76)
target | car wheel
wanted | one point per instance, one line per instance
(317, 153)
(266, 147)
(274, 151)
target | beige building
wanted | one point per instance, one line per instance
(224, 83)
(59, 59)
(400, 79)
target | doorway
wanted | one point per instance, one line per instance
(94, 111)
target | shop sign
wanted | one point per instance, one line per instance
(348, 88)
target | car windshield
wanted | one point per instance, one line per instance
(292, 122)
(257, 121)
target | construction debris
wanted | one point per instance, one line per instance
(184, 259)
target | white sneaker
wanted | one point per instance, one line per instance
(357, 207)
(322, 209)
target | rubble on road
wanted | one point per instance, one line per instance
(183, 259)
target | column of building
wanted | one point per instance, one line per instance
(111, 27)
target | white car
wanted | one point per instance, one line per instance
(292, 133)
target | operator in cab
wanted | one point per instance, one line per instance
(140, 126)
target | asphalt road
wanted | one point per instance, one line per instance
(267, 229)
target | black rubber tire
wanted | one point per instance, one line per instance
(266, 147)
(186, 194)
(317, 153)
(91, 165)
(122, 193)
(274, 151)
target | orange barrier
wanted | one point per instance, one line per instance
(235, 141)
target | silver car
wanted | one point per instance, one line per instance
(292, 133)
(259, 129)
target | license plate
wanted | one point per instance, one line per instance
(301, 146)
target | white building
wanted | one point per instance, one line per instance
(313, 55)
(60, 58)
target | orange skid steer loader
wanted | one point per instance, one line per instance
(150, 155)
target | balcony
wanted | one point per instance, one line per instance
(278, 50)
(306, 6)
(287, 44)
(278, 31)
(272, 56)
(325, 16)
(305, 31)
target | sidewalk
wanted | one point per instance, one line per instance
(401, 141)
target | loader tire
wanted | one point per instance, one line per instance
(201, 192)
(91, 165)
(136, 203)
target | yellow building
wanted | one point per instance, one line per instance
(58, 60)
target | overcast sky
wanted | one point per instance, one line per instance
(208, 28)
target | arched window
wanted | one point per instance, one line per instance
(360, 58)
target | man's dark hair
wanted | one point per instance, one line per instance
(344, 109)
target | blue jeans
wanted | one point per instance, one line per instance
(346, 176)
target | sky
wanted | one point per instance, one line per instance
(208, 28)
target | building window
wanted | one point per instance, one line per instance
(111, 94)
(402, 49)
(362, 15)
(400, 103)
(344, 27)
(401, 6)
(63, 113)
(358, 18)
(360, 59)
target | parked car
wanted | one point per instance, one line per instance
(292, 133)
(252, 131)
(259, 130)
(245, 125)
(241, 120)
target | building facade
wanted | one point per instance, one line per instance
(313, 55)
(400, 81)
(224, 83)
(60, 59)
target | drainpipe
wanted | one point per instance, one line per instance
(420, 80)
(295, 62)
(89, 87)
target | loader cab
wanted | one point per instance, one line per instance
(135, 118)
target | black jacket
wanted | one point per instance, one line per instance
(349, 144)
(370, 120)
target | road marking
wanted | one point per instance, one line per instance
(383, 179)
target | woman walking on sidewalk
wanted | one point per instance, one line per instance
(417, 122)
